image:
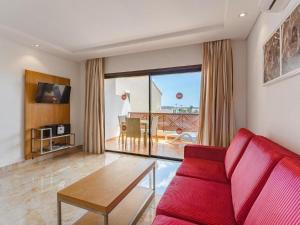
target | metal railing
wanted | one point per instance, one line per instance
(183, 122)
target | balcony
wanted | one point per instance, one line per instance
(172, 122)
(174, 130)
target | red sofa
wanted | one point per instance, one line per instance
(253, 182)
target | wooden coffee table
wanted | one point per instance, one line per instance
(112, 191)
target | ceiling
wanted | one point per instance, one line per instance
(81, 29)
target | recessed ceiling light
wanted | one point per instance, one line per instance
(36, 45)
(243, 14)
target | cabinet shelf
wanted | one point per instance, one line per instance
(52, 147)
(54, 137)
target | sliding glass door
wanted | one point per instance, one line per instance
(126, 114)
(154, 115)
(174, 106)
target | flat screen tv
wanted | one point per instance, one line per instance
(53, 93)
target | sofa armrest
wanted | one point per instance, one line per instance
(205, 152)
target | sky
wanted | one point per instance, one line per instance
(186, 83)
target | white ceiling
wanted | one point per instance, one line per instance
(81, 29)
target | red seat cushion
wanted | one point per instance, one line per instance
(203, 169)
(165, 220)
(251, 173)
(198, 201)
(279, 200)
(236, 150)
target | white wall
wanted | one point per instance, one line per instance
(137, 87)
(14, 59)
(156, 96)
(272, 110)
(171, 57)
(239, 51)
(113, 108)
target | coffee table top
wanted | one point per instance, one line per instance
(103, 190)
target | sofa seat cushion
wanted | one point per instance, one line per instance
(279, 200)
(198, 201)
(252, 172)
(165, 220)
(203, 169)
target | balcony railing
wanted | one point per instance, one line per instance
(179, 122)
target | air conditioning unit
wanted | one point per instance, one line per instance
(273, 5)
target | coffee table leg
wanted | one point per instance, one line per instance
(105, 219)
(58, 212)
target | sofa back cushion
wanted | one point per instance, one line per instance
(251, 173)
(279, 200)
(236, 150)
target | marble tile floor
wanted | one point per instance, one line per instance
(28, 194)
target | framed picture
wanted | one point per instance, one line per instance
(272, 57)
(291, 42)
(282, 50)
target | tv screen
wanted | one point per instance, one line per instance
(53, 93)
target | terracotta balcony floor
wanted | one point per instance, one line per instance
(166, 148)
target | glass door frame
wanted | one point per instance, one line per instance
(150, 73)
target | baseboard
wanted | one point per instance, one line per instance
(23, 163)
